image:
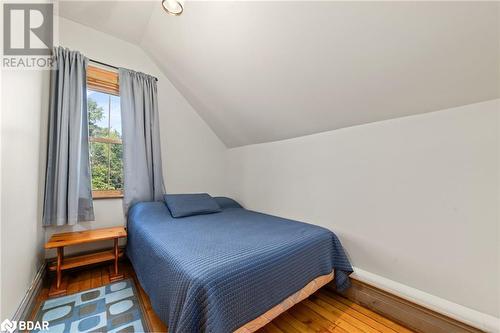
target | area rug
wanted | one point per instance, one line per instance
(111, 308)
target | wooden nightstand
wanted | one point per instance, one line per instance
(59, 241)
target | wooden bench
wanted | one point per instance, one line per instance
(59, 241)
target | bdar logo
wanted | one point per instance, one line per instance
(8, 326)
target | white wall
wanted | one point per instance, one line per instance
(413, 199)
(22, 158)
(192, 154)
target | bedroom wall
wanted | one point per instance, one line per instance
(22, 235)
(192, 154)
(413, 200)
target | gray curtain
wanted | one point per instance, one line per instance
(68, 194)
(143, 176)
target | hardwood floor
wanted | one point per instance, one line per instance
(323, 311)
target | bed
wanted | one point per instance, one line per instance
(234, 270)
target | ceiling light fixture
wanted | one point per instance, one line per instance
(173, 7)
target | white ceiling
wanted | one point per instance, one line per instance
(127, 20)
(261, 71)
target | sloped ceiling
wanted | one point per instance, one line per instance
(261, 71)
(126, 20)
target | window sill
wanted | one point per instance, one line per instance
(110, 194)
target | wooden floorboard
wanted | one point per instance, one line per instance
(322, 312)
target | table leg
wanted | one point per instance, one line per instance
(116, 256)
(113, 269)
(60, 254)
(59, 286)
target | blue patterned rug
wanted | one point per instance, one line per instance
(111, 308)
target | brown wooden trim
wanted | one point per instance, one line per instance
(107, 194)
(102, 80)
(402, 311)
(106, 140)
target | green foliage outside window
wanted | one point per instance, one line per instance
(106, 158)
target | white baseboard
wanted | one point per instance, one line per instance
(459, 312)
(24, 308)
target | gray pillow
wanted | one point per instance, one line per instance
(181, 205)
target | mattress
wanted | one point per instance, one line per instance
(217, 272)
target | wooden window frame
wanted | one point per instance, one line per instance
(105, 81)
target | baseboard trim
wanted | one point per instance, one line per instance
(26, 307)
(415, 309)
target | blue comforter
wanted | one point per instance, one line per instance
(216, 272)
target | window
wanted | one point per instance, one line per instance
(105, 133)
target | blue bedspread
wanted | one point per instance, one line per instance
(216, 272)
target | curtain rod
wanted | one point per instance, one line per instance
(108, 65)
